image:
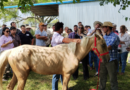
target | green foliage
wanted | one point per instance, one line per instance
(25, 4)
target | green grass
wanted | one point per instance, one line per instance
(43, 82)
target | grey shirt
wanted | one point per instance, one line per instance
(40, 42)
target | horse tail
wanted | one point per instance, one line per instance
(3, 62)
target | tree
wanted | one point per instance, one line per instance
(13, 13)
(25, 4)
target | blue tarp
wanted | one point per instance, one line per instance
(50, 3)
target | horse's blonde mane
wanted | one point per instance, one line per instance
(72, 46)
(85, 40)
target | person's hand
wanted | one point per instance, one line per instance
(128, 49)
(10, 42)
(77, 40)
(121, 42)
(96, 27)
(46, 38)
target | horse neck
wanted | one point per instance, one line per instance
(81, 51)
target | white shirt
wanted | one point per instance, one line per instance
(90, 31)
(125, 38)
(64, 34)
(56, 39)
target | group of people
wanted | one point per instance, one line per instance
(117, 43)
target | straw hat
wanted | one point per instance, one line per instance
(28, 27)
(97, 22)
(109, 24)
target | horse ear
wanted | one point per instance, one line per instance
(98, 36)
(98, 33)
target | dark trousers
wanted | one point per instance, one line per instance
(108, 68)
(7, 71)
(85, 63)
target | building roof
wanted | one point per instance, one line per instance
(47, 9)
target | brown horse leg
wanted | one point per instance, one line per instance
(12, 83)
(22, 80)
(66, 78)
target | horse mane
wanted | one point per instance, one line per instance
(72, 46)
(85, 40)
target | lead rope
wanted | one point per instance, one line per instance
(100, 60)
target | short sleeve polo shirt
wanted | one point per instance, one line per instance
(25, 38)
(40, 42)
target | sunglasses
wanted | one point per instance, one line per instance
(80, 27)
(7, 31)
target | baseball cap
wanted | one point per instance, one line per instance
(41, 24)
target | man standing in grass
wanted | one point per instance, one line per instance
(25, 36)
(56, 40)
(109, 67)
(41, 35)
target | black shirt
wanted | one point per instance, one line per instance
(25, 38)
(18, 31)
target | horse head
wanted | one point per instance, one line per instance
(100, 48)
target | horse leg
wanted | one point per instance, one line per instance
(12, 82)
(22, 79)
(66, 78)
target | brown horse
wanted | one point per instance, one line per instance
(61, 59)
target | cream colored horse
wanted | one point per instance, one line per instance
(62, 59)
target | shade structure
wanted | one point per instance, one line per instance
(45, 10)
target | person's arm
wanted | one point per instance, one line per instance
(91, 33)
(32, 42)
(109, 48)
(102, 32)
(121, 42)
(19, 40)
(126, 42)
(4, 45)
(41, 37)
(68, 40)
(114, 42)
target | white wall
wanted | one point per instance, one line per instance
(88, 12)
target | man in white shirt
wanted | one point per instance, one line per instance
(56, 40)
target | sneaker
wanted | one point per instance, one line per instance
(96, 74)
(4, 80)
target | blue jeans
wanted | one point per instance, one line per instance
(123, 57)
(93, 56)
(90, 60)
(55, 80)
